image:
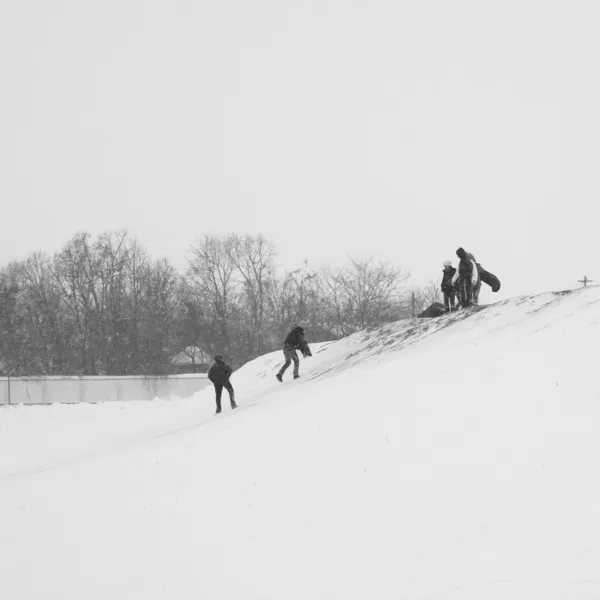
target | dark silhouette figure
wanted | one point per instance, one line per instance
(467, 277)
(295, 340)
(447, 286)
(219, 374)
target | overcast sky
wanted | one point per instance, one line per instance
(394, 129)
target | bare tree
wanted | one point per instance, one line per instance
(137, 288)
(212, 276)
(253, 259)
(113, 253)
(160, 317)
(46, 320)
(75, 275)
(364, 293)
(337, 304)
(11, 323)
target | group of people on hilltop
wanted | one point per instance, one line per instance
(461, 285)
(220, 372)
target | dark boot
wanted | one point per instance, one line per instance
(279, 377)
(296, 375)
(232, 398)
(218, 410)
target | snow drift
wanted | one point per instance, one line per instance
(452, 458)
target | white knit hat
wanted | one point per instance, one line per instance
(447, 263)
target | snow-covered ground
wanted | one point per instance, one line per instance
(447, 458)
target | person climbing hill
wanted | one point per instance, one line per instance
(295, 340)
(219, 374)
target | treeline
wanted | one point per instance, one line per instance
(105, 307)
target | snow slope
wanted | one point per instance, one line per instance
(447, 458)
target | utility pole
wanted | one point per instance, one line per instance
(585, 281)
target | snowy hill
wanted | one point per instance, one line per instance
(446, 458)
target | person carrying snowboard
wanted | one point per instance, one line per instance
(219, 374)
(466, 275)
(295, 340)
(477, 283)
(447, 286)
(485, 277)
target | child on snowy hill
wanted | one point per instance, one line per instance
(447, 286)
(219, 374)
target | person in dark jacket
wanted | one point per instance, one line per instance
(467, 277)
(219, 374)
(295, 340)
(447, 286)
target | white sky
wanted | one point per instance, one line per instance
(397, 129)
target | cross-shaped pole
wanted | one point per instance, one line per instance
(585, 281)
